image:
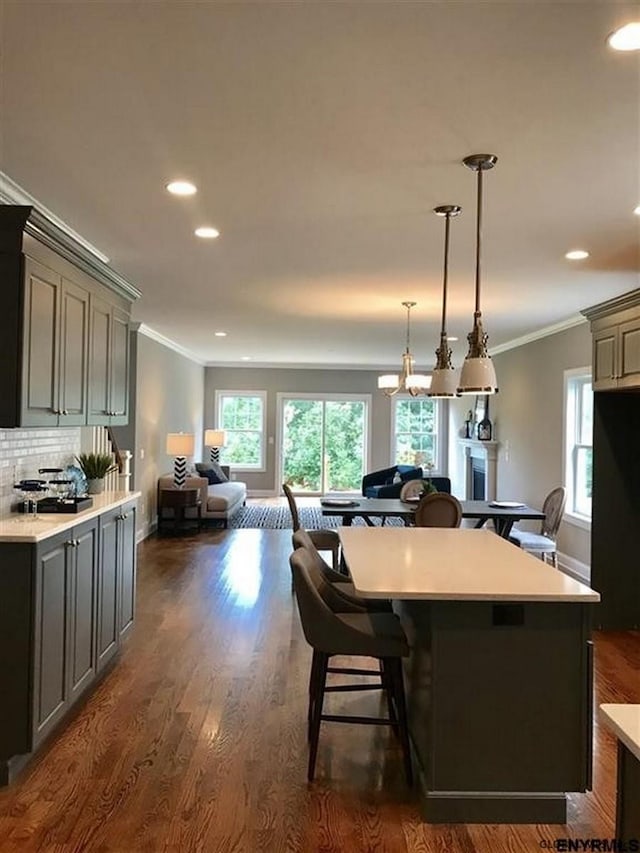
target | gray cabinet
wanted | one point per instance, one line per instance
(616, 343)
(64, 624)
(117, 580)
(108, 364)
(67, 603)
(64, 330)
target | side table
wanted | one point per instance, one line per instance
(179, 501)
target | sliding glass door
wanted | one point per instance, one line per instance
(323, 442)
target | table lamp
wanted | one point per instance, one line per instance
(180, 445)
(215, 439)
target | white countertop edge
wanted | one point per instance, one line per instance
(560, 598)
(51, 524)
(624, 721)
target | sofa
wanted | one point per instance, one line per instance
(379, 484)
(218, 501)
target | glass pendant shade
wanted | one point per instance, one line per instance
(407, 380)
(444, 380)
(478, 375)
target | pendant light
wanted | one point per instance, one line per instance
(478, 375)
(414, 383)
(444, 379)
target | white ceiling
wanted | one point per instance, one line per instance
(321, 135)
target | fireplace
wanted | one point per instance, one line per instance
(481, 462)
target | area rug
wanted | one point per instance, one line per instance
(279, 518)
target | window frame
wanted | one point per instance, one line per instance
(262, 395)
(574, 380)
(441, 433)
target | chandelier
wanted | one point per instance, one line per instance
(478, 375)
(413, 383)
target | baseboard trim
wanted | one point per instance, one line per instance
(574, 568)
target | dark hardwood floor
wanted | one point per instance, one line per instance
(196, 740)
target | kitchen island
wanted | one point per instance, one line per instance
(67, 601)
(499, 678)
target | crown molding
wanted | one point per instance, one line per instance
(159, 338)
(569, 323)
(611, 306)
(50, 230)
(279, 365)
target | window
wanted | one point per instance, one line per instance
(242, 414)
(416, 432)
(578, 442)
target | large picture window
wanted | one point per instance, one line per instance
(416, 432)
(241, 414)
(578, 443)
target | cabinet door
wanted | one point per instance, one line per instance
(119, 396)
(629, 354)
(82, 610)
(74, 338)
(107, 628)
(605, 344)
(99, 362)
(41, 329)
(50, 635)
(127, 574)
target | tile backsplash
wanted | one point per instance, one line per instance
(23, 451)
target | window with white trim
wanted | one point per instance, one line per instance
(242, 416)
(416, 432)
(578, 442)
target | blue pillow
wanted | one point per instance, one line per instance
(213, 472)
(413, 474)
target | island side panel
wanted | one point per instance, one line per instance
(499, 707)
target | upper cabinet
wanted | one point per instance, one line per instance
(64, 329)
(616, 343)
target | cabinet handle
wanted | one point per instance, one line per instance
(71, 543)
(65, 412)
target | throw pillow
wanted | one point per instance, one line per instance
(212, 471)
(413, 474)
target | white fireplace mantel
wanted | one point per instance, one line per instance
(487, 450)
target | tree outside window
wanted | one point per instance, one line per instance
(416, 431)
(242, 417)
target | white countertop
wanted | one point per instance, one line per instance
(16, 528)
(624, 722)
(452, 564)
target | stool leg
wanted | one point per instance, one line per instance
(313, 678)
(318, 698)
(387, 686)
(394, 666)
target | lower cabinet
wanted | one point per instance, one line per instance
(64, 624)
(116, 599)
(67, 602)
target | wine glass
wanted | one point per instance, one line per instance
(40, 491)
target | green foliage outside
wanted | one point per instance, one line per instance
(415, 432)
(241, 418)
(344, 429)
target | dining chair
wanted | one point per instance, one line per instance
(544, 543)
(345, 598)
(438, 510)
(411, 489)
(329, 633)
(323, 539)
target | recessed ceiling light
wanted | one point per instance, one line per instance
(220, 334)
(637, 210)
(245, 358)
(207, 233)
(626, 38)
(182, 188)
(577, 255)
(452, 338)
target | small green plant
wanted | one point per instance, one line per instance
(96, 465)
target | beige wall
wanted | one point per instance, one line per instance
(528, 421)
(169, 397)
(274, 380)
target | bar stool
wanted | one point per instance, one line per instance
(377, 635)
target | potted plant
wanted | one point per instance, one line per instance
(96, 466)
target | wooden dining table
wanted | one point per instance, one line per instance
(502, 516)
